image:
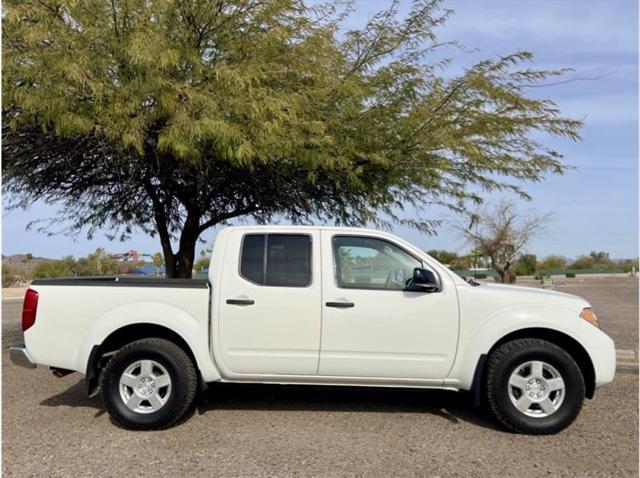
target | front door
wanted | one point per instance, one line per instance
(371, 325)
(270, 303)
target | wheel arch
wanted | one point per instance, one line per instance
(122, 336)
(562, 340)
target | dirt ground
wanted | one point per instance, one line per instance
(50, 428)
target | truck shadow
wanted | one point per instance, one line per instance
(75, 396)
(453, 407)
(450, 406)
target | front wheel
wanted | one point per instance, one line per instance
(149, 384)
(533, 386)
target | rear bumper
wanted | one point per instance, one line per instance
(20, 356)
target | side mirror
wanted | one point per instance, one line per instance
(424, 279)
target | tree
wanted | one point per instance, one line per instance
(157, 261)
(477, 254)
(600, 258)
(445, 257)
(553, 262)
(27, 260)
(501, 233)
(202, 263)
(171, 117)
(526, 265)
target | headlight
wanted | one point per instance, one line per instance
(590, 316)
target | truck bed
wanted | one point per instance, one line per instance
(75, 314)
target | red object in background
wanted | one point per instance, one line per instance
(125, 256)
(29, 309)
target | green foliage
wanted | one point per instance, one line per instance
(172, 116)
(583, 262)
(9, 275)
(552, 262)
(599, 261)
(442, 256)
(202, 264)
(204, 261)
(627, 264)
(595, 260)
(157, 259)
(98, 263)
(57, 268)
(526, 265)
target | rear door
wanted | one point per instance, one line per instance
(270, 303)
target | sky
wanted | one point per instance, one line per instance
(594, 206)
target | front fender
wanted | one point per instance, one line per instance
(194, 332)
(478, 338)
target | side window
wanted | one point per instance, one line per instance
(369, 263)
(279, 260)
(252, 260)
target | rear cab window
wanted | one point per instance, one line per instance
(276, 260)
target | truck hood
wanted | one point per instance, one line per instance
(511, 294)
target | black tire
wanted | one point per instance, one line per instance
(506, 359)
(178, 365)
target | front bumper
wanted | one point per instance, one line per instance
(20, 356)
(604, 365)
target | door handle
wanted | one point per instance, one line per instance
(240, 301)
(340, 305)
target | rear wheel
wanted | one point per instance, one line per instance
(149, 384)
(534, 386)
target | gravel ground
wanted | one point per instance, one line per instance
(50, 428)
(11, 323)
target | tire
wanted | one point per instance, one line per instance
(523, 389)
(157, 377)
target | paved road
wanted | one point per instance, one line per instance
(50, 428)
(614, 298)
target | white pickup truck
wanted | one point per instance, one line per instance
(317, 305)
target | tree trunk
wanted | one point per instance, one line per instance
(167, 252)
(502, 273)
(184, 258)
